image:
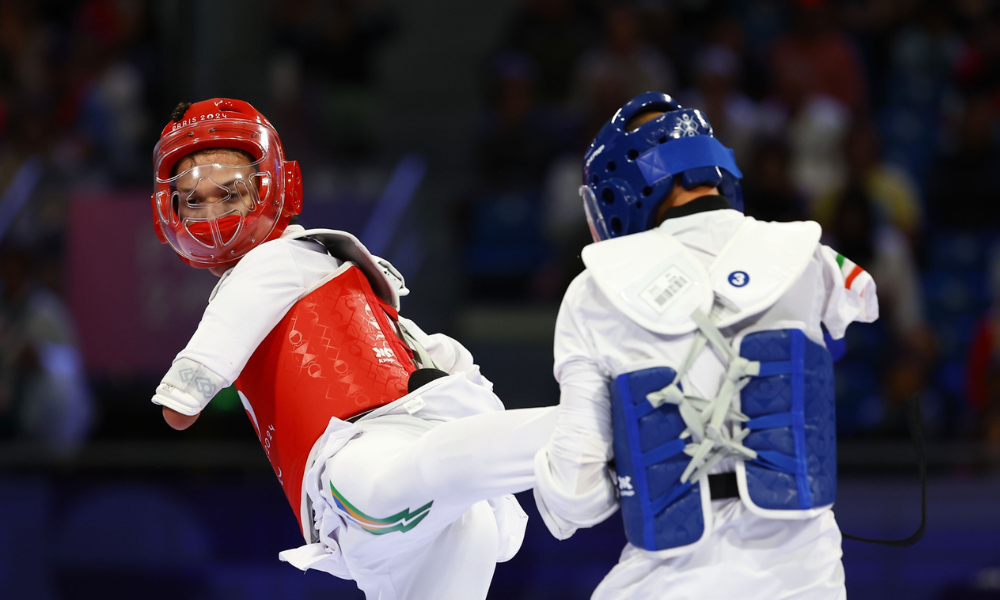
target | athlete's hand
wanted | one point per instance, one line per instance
(177, 420)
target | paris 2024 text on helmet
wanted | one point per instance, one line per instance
(627, 175)
(222, 185)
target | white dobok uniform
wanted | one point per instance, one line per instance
(441, 461)
(743, 553)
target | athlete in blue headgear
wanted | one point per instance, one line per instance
(690, 358)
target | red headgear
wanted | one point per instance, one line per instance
(213, 214)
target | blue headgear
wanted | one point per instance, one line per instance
(627, 175)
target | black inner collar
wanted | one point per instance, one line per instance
(699, 204)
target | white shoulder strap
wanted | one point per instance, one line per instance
(652, 279)
(345, 246)
(758, 265)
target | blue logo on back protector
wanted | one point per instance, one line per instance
(738, 278)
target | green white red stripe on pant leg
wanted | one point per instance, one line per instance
(854, 275)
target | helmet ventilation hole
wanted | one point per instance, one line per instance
(611, 165)
(646, 191)
(663, 140)
(639, 204)
(616, 225)
(633, 154)
(608, 196)
(594, 179)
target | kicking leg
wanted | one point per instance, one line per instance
(414, 495)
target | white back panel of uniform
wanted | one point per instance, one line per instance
(622, 345)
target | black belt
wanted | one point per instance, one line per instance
(355, 418)
(723, 485)
(418, 379)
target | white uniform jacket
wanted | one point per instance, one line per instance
(595, 342)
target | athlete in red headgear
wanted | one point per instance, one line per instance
(391, 447)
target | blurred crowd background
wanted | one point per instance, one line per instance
(448, 135)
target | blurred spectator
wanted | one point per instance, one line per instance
(914, 82)
(813, 123)
(501, 222)
(565, 222)
(102, 116)
(979, 65)
(517, 135)
(813, 44)
(732, 113)
(624, 65)
(906, 353)
(553, 33)
(816, 82)
(892, 192)
(25, 45)
(43, 391)
(763, 22)
(330, 49)
(336, 41)
(878, 246)
(968, 170)
(923, 54)
(983, 364)
(769, 192)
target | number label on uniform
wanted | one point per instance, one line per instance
(738, 278)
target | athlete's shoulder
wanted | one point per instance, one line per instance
(580, 290)
(790, 227)
(845, 272)
(274, 255)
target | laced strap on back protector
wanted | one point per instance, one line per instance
(707, 419)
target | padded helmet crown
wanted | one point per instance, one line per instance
(627, 175)
(212, 212)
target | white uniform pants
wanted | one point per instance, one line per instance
(463, 469)
(748, 557)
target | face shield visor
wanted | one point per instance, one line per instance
(217, 192)
(598, 227)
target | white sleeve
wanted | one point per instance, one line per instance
(250, 300)
(188, 387)
(452, 356)
(849, 292)
(574, 486)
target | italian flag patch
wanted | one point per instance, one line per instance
(850, 271)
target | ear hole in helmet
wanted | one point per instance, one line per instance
(639, 204)
(663, 139)
(616, 225)
(633, 154)
(646, 191)
(594, 179)
(611, 165)
(608, 196)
